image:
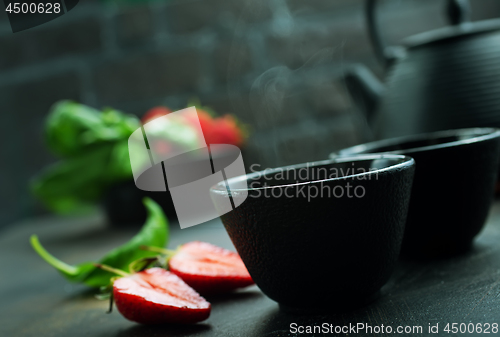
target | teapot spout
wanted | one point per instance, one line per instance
(365, 89)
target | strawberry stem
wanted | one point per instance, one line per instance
(146, 261)
(167, 252)
(111, 299)
(50, 259)
(112, 270)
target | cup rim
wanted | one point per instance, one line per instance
(404, 161)
(477, 135)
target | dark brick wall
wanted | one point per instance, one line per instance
(276, 64)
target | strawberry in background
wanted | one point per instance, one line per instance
(220, 130)
(155, 113)
(225, 130)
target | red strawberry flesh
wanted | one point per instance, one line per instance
(210, 269)
(157, 296)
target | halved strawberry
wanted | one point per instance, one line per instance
(209, 269)
(157, 296)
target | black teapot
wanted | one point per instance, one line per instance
(447, 78)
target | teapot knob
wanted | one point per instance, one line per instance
(458, 11)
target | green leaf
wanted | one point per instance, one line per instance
(119, 167)
(154, 233)
(72, 273)
(65, 124)
(95, 151)
(71, 126)
(76, 182)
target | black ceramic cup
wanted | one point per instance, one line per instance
(322, 235)
(453, 187)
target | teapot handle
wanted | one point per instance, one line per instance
(458, 12)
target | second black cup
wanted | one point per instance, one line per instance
(453, 188)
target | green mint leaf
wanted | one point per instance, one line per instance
(70, 127)
(72, 273)
(153, 233)
(75, 183)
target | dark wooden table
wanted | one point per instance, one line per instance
(36, 301)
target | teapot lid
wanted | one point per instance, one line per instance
(451, 32)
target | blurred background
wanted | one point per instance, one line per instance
(277, 65)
